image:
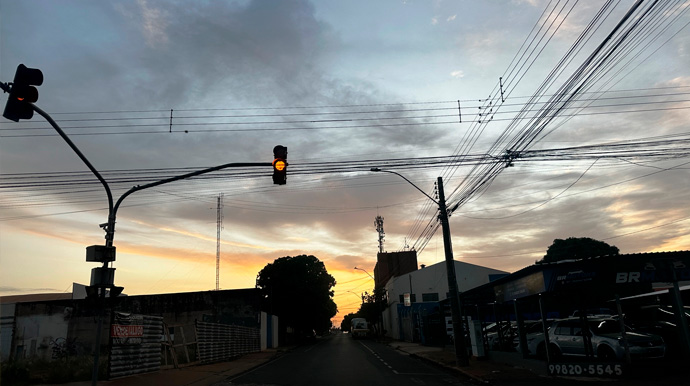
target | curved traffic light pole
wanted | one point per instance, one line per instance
(109, 227)
(461, 358)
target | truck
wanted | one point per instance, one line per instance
(359, 328)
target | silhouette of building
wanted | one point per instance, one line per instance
(393, 264)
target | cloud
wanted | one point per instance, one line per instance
(451, 18)
(154, 23)
(457, 74)
(533, 3)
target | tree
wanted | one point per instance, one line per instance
(299, 291)
(347, 321)
(373, 306)
(577, 248)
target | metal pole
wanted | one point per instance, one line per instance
(679, 309)
(545, 330)
(461, 358)
(112, 213)
(108, 237)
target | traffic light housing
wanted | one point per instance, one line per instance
(23, 93)
(280, 165)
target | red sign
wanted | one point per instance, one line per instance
(122, 331)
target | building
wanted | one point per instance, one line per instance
(649, 291)
(415, 299)
(392, 264)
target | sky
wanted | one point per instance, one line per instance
(336, 82)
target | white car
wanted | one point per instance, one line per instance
(566, 338)
(534, 334)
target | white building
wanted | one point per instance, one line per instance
(430, 284)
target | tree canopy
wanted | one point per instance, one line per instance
(577, 248)
(299, 291)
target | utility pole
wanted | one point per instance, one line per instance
(461, 358)
(459, 341)
(219, 227)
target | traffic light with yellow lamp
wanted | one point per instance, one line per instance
(23, 93)
(280, 165)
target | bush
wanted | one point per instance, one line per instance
(14, 373)
(25, 372)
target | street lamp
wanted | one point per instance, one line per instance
(461, 358)
(361, 269)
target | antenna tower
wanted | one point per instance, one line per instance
(219, 227)
(378, 223)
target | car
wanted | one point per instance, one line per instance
(308, 336)
(566, 337)
(534, 335)
(507, 332)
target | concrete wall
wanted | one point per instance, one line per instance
(6, 330)
(39, 329)
(269, 331)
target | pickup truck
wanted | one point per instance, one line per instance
(359, 328)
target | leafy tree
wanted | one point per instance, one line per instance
(373, 306)
(347, 321)
(577, 248)
(299, 291)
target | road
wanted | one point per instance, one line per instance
(339, 360)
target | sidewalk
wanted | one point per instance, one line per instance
(498, 366)
(498, 369)
(202, 375)
(509, 368)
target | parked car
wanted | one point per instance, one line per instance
(566, 337)
(507, 329)
(534, 334)
(660, 321)
(308, 336)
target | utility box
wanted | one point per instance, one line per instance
(101, 278)
(100, 254)
(476, 338)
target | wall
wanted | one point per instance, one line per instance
(42, 327)
(269, 331)
(41, 331)
(6, 330)
(391, 264)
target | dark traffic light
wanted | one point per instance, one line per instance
(280, 165)
(23, 93)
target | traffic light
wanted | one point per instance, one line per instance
(23, 93)
(280, 165)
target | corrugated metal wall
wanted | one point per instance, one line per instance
(218, 342)
(130, 356)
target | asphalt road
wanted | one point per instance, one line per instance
(339, 360)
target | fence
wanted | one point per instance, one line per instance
(135, 344)
(218, 342)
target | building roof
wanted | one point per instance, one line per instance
(35, 297)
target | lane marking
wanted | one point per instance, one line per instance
(389, 366)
